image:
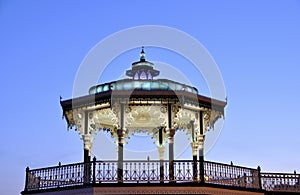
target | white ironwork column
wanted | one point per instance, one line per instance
(87, 143)
(121, 134)
(161, 151)
(194, 146)
(201, 147)
(170, 132)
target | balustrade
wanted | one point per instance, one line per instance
(97, 172)
(231, 175)
(280, 182)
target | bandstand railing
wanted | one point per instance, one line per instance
(280, 182)
(231, 175)
(156, 171)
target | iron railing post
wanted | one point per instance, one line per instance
(26, 179)
(58, 174)
(171, 171)
(94, 170)
(148, 166)
(298, 181)
(259, 177)
(161, 171)
(195, 172)
(245, 179)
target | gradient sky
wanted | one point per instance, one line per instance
(256, 45)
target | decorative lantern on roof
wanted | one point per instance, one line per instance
(142, 70)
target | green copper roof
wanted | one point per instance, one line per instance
(142, 73)
(147, 85)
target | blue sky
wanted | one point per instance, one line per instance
(256, 45)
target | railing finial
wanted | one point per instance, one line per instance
(26, 179)
(259, 177)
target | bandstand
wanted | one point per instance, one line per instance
(158, 107)
(142, 103)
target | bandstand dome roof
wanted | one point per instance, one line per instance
(147, 85)
(141, 86)
(142, 73)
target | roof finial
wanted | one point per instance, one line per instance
(142, 55)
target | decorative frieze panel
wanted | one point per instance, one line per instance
(145, 118)
(184, 117)
(103, 119)
(175, 108)
(142, 118)
(188, 120)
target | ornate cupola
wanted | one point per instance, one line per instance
(142, 70)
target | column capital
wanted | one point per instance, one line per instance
(121, 135)
(170, 133)
(194, 146)
(200, 141)
(121, 132)
(201, 138)
(161, 151)
(88, 142)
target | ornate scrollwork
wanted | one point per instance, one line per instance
(77, 117)
(210, 117)
(144, 118)
(163, 109)
(70, 119)
(127, 109)
(104, 119)
(116, 108)
(185, 119)
(175, 108)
